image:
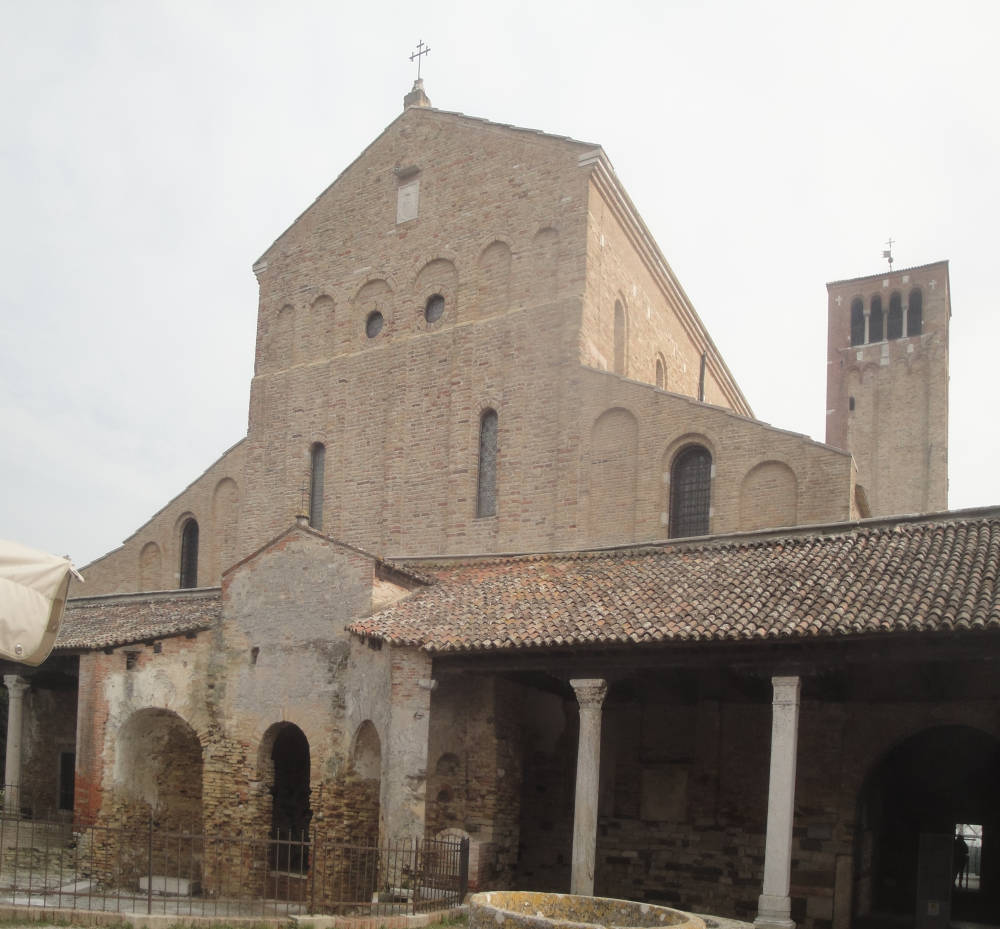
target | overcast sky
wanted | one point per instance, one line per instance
(151, 151)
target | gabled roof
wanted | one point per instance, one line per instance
(890, 576)
(91, 623)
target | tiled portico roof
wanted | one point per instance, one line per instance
(107, 622)
(904, 576)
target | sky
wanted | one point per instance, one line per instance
(151, 151)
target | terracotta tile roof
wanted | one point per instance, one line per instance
(106, 622)
(904, 576)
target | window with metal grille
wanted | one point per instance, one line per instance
(875, 320)
(690, 492)
(857, 322)
(317, 464)
(486, 493)
(894, 324)
(915, 313)
(189, 554)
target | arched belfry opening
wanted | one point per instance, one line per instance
(932, 783)
(290, 809)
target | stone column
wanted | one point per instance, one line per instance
(589, 695)
(16, 686)
(774, 907)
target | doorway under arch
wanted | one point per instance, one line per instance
(928, 784)
(287, 750)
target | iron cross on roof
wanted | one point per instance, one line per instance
(419, 53)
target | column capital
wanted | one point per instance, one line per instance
(590, 691)
(786, 689)
(16, 684)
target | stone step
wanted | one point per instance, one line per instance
(169, 886)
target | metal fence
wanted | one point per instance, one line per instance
(53, 863)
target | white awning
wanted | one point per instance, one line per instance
(33, 588)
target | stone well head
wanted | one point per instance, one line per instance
(513, 909)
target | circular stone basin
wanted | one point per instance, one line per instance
(515, 909)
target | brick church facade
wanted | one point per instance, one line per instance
(505, 554)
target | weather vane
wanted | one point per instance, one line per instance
(419, 53)
(887, 252)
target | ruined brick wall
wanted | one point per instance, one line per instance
(475, 771)
(887, 399)
(149, 559)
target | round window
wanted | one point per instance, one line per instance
(374, 324)
(434, 308)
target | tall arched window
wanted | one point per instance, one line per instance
(857, 321)
(486, 491)
(875, 320)
(620, 335)
(661, 374)
(690, 492)
(915, 313)
(894, 324)
(189, 554)
(316, 470)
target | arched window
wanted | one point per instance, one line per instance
(857, 321)
(894, 324)
(316, 471)
(486, 491)
(619, 338)
(915, 313)
(661, 374)
(875, 320)
(690, 492)
(189, 554)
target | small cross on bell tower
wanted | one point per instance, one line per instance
(417, 97)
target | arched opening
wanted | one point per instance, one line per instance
(875, 327)
(690, 492)
(661, 374)
(290, 810)
(857, 322)
(158, 777)
(915, 313)
(317, 466)
(930, 784)
(894, 324)
(189, 554)
(366, 768)
(486, 489)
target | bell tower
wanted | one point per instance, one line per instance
(887, 386)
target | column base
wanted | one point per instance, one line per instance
(774, 912)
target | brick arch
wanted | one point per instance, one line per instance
(613, 472)
(151, 567)
(277, 339)
(366, 752)
(225, 522)
(376, 294)
(493, 279)
(544, 283)
(768, 496)
(316, 335)
(438, 276)
(158, 770)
